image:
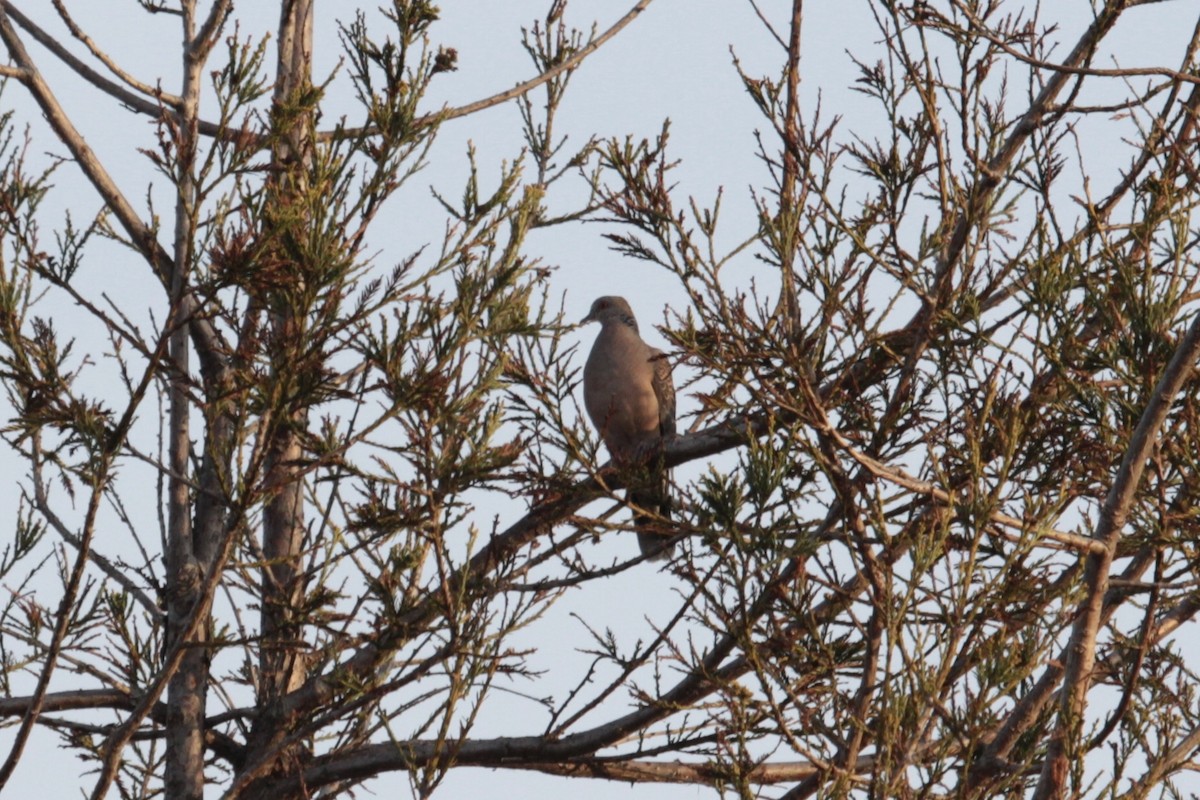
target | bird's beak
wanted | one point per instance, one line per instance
(587, 319)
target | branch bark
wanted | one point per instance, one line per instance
(1081, 652)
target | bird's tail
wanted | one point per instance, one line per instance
(654, 538)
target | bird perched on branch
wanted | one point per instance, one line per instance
(629, 395)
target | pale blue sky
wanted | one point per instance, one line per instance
(673, 62)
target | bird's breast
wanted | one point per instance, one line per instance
(619, 397)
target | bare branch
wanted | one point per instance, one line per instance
(1081, 652)
(93, 48)
(152, 108)
(519, 90)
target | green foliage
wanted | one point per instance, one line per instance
(911, 560)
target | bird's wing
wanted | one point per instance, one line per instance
(664, 391)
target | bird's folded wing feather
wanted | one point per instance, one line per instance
(664, 391)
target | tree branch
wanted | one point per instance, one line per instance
(131, 99)
(96, 52)
(519, 90)
(210, 343)
(543, 754)
(1081, 652)
(155, 108)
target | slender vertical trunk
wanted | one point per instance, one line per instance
(186, 691)
(281, 661)
(283, 523)
(789, 196)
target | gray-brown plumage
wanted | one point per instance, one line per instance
(629, 395)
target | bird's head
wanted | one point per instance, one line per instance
(608, 307)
